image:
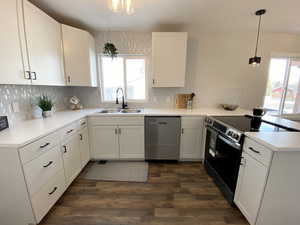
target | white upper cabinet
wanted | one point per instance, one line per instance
(12, 71)
(44, 47)
(169, 52)
(79, 57)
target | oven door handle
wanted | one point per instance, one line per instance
(236, 146)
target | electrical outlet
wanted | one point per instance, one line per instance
(15, 106)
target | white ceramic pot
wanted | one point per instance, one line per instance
(47, 113)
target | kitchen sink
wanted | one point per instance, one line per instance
(131, 110)
(104, 111)
(109, 111)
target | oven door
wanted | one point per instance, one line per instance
(222, 161)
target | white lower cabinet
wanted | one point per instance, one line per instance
(191, 138)
(71, 158)
(268, 189)
(117, 138)
(250, 187)
(43, 200)
(104, 142)
(131, 141)
(84, 146)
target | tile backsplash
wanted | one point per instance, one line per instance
(26, 96)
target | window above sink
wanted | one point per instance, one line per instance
(127, 72)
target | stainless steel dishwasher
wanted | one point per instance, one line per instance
(162, 137)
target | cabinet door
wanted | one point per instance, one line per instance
(104, 142)
(84, 146)
(131, 140)
(71, 158)
(250, 187)
(191, 143)
(79, 57)
(44, 46)
(169, 59)
(12, 71)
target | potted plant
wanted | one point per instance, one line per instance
(46, 104)
(110, 50)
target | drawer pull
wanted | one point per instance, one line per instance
(69, 131)
(45, 145)
(81, 137)
(253, 150)
(48, 164)
(83, 123)
(52, 192)
(65, 149)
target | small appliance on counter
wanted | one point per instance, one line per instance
(3, 123)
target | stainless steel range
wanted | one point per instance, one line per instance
(223, 147)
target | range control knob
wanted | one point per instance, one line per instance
(236, 136)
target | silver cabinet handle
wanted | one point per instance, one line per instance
(116, 130)
(182, 130)
(253, 150)
(52, 192)
(81, 137)
(120, 131)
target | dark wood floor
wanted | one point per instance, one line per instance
(175, 194)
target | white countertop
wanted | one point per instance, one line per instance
(277, 141)
(28, 131)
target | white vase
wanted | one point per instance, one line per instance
(47, 113)
(37, 112)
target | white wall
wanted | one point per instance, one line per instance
(217, 67)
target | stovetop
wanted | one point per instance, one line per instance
(249, 123)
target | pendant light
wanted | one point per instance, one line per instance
(121, 6)
(255, 61)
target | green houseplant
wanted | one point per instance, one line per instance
(110, 50)
(46, 104)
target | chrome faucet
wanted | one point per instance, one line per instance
(124, 105)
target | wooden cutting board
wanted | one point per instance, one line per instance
(181, 100)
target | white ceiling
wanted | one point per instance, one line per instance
(156, 15)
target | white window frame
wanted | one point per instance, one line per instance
(289, 57)
(126, 56)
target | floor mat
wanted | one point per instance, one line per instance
(119, 171)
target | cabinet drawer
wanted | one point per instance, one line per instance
(258, 151)
(125, 120)
(43, 200)
(40, 170)
(69, 130)
(38, 147)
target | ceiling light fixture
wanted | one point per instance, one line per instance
(121, 6)
(255, 61)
